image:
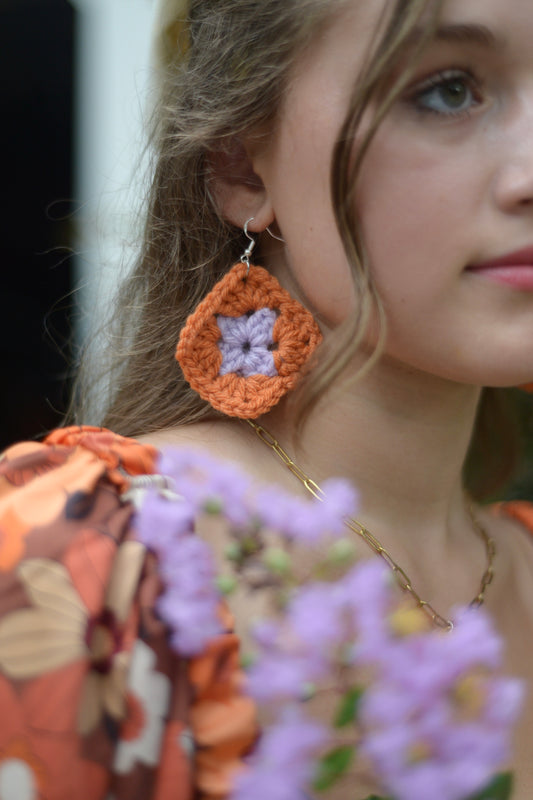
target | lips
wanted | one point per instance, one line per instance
(513, 269)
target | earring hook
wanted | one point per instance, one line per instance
(245, 258)
(279, 238)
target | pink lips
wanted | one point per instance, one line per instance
(514, 269)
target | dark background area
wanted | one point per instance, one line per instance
(36, 146)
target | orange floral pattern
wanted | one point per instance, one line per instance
(12, 540)
(92, 701)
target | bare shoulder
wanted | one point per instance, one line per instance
(228, 440)
(217, 436)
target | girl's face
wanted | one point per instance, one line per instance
(447, 185)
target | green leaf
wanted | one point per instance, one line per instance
(500, 789)
(377, 797)
(349, 705)
(332, 766)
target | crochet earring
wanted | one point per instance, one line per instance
(244, 347)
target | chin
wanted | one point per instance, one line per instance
(517, 380)
(505, 377)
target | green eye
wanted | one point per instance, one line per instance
(454, 94)
(447, 95)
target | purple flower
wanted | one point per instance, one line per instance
(227, 482)
(180, 462)
(417, 759)
(193, 623)
(341, 500)
(279, 675)
(247, 343)
(158, 522)
(436, 718)
(315, 617)
(189, 565)
(305, 520)
(283, 764)
(299, 650)
(309, 521)
(432, 719)
(367, 588)
(504, 702)
(189, 604)
(302, 648)
(474, 641)
(203, 480)
(368, 597)
(190, 601)
(273, 508)
(430, 663)
(265, 633)
(293, 738)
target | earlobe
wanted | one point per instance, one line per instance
(238, 192)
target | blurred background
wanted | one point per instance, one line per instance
(74, 81)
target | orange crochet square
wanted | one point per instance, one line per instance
(295, 335)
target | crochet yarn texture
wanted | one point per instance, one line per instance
(244, 347)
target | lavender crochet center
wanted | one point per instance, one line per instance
(247, 343)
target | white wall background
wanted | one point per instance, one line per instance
(112, 86)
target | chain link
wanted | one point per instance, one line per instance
(401, 577)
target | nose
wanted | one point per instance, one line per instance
(513, 185)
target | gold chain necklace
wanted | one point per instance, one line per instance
(403, 580)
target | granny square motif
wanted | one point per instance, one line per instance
(246, 343)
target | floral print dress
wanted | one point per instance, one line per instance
(93, 703)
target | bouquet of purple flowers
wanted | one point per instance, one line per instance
(418, 711)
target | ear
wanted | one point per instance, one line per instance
(238, 192)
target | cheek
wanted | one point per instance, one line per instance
(323, 276)
(413, 201)
(317, 270)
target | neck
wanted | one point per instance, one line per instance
(401, 437)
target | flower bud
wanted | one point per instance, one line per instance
(233, 552)
(226, 584)
(277, 560)
(341, 551)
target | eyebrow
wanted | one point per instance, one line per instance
(460, 34)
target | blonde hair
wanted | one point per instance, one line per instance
(230, 80)
(226, 69)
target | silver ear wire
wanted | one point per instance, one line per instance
(274, 236)
(245, 258)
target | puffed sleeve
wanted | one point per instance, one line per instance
(93, 703)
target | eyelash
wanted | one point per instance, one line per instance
(441, 80)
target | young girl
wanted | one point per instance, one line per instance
(380, 155)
